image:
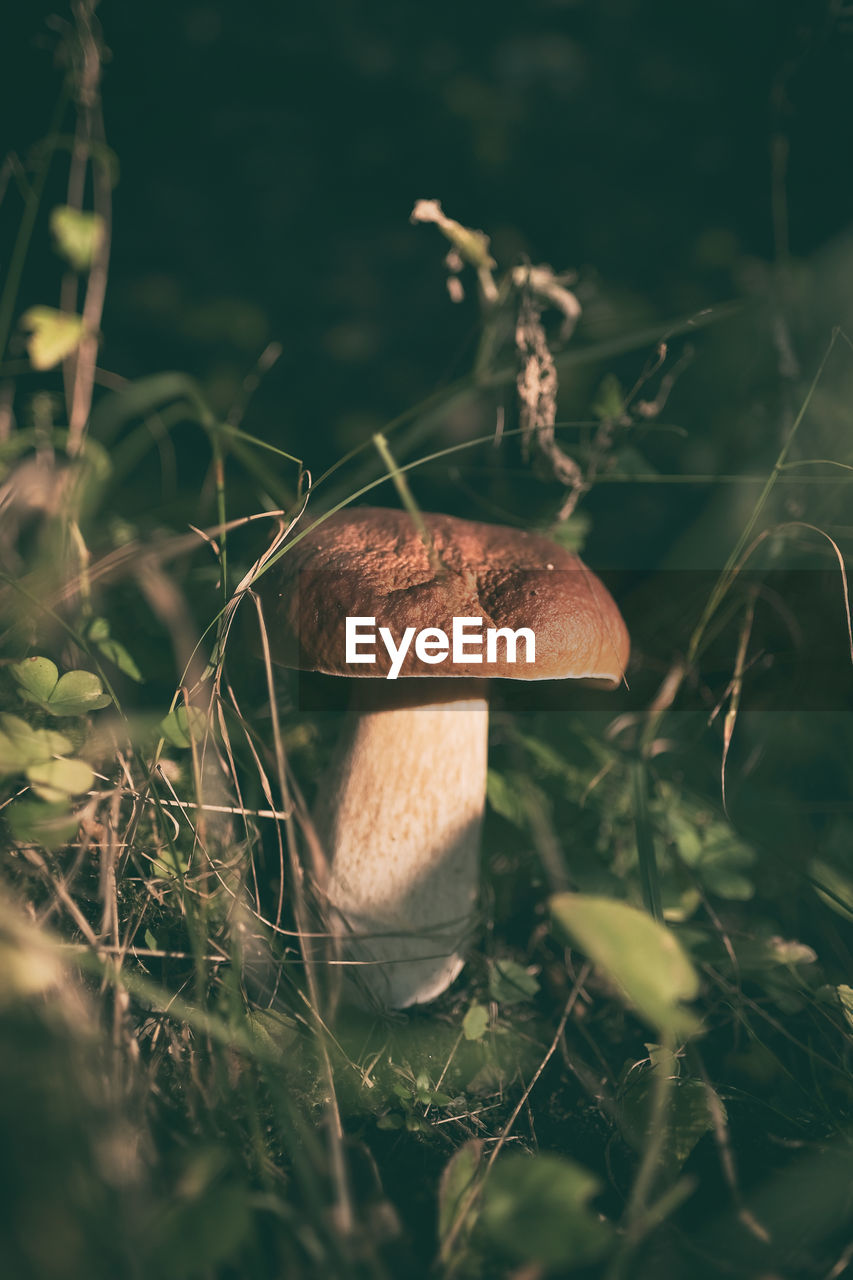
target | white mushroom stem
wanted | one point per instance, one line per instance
(400, 815)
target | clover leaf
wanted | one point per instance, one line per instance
(56, 780)
(73, 694)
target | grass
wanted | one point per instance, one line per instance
(185, 1093)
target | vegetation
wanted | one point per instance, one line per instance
(645, 1068)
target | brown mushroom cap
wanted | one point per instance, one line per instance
(373, 562)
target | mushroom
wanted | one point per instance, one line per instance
(401, 808)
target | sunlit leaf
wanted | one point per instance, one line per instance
(54, 335)
(642, 957)
(56, 780)
(76, 693)
(171, 864)
(78, 235)
(73, 694)
(36, 678)
(534, 1209)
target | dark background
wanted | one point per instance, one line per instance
(270, 156)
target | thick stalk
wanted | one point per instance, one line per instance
(400, 815)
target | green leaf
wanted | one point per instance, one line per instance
(36, 678)
(171, 865)
(275, 1032)
(99, 635)
(505, 799)
(475, 1024)
(119, 656)
(76, 693)
(78, 235)
(642, 957)
(609, 402)
(509, 983)
(50, 825)
(457, 1179)
(73, 694)
(718, 855)
(534, 1209)
(54, 335)
(21, 745)
(688, 1115)
(56, 780)
(183, 726)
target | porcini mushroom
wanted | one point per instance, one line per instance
(401, 810)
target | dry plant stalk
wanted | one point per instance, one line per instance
(537, 382)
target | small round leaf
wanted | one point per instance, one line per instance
(54, 335)
(55, 780)
(78, 235)
(476, 1022)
